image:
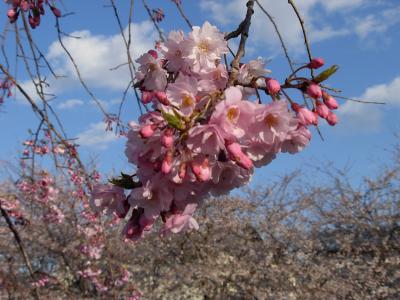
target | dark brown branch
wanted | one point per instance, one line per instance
(244, 28)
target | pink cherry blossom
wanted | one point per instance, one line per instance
(206, 45)
(150, 71)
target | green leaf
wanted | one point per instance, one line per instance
(125, 181)
(174, 120)
(326, 74)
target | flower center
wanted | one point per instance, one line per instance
(271, 121)
(203, 46)
(187, 101)
(233, 114)
(178, 53)
(152, 67)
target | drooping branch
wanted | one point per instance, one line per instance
(278, 33)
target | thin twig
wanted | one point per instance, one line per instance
(278, 33)
(179, 6)
(291, 2)
(160, 32)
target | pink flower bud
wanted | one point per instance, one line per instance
(235, 151)
(146, 131)
(167, 139)
(55, 11)
(167, 163)
(182, 170)
(322, 110)
(332, 119)
(201, 171)
(305, 116)
(147, 97)
(24, 5)
(314, 91)
(315, 121)
(329, 101)
(153, 53)
(316, 63)
(162, 97)
(11, 13)
(273, 86)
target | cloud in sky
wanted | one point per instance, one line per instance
(319, 28)
(369, 116)
(70, 104)
(96, 136)
(97, 54)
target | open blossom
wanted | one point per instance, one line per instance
(175, 52)
(233, 115)
(206, 45)
(150, 71)
(106, 197)
(182, 93)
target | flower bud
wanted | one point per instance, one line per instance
(314, 91)
(329, 101)
(153, 53)
(167, 163)
(146, 131)
(182, 170)
(235, 151)
(167, 139)
(147, 97)
(322, 110)
(55, 11)
(273, 86)
(305, 116)
(201, 171)
(162, 97)
(332, 119)
(315, 120)
(316, 63)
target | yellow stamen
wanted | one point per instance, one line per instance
(187, 101)
(232, 114)
(271, 120)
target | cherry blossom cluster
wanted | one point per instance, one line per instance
(44, 193)
(13, 208)
(34, 9)
(206, 131)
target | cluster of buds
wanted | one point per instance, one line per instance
(34, 9)
(203, 135)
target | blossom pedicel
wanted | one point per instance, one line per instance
(203, 137)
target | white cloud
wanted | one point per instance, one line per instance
(316, 14)
(377, 23)
(96, 136)
(69, 104)
(97, 54)
(369, 116)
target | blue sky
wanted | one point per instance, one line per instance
(361, 36)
